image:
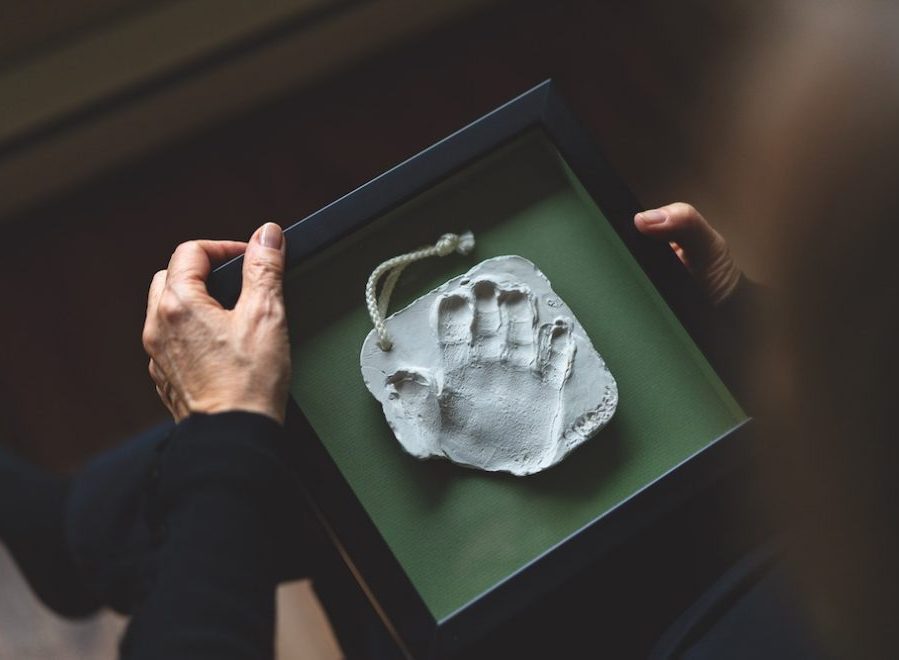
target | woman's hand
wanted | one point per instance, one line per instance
(701, 249)
(204, 358)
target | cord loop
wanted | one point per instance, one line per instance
(393, 268)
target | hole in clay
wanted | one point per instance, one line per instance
(453, 304)
(484, 289)
(512, 297)
(465, 281)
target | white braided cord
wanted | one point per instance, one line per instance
(377, 306)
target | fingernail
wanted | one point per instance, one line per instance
(271, 236)
(653, 216)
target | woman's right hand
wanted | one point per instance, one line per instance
(204, 358)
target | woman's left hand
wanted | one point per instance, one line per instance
(701, 249)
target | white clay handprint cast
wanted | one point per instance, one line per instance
(492, 371)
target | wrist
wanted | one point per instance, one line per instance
(224, 405)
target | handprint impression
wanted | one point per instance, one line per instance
(497, 393)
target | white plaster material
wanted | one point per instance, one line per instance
(491, 370)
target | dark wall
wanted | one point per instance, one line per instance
(73, 278)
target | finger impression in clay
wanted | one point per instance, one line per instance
(491, 370)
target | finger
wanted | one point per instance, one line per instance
(192, 262)
(156, 373)
(555, 352)
(157, 285)
(171, 407)
(263, 267)
(519, 312)
(161, 383)
(164, 399)
(453, 318)
(682, 224)
(696, 243)
(485, 329)
(174, 403)
(166, 392)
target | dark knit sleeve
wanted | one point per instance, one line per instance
(733, 337)
(210, 591)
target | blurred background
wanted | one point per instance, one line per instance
(129, 126)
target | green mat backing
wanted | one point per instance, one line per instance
(457, 532)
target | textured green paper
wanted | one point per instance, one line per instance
(457, 532)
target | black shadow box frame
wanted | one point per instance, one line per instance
(357, 539)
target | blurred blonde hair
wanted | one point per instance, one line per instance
(821, 172)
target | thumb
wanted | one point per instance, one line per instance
(263, 264)
(702, 249)
(682, 224)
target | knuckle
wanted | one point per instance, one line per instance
(718, 246)
(264, 270)
(691, 222)
(684, 210)
(184, 251)
(148, 340)
(186, 246)
(268, 309)
(171, 307)
(276, 315)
